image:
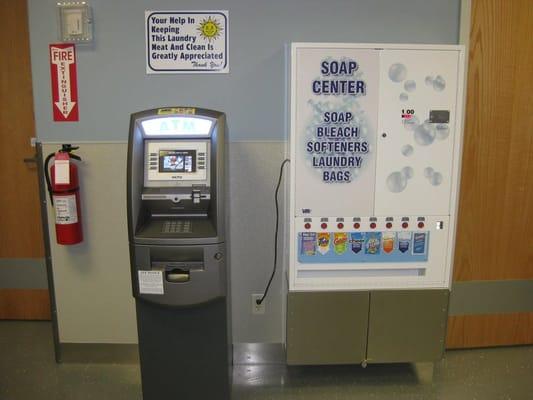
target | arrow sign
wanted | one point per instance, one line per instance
(64, 82)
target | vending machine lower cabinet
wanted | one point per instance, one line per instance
(377, 326)
(184, 351)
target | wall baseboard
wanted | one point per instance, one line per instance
(99, 353)
(258, 353)
(23, 273)
(491, 297)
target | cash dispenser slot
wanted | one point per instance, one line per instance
(177, 275)
(178, 271)
(191, 274)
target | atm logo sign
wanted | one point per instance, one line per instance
(64, 82)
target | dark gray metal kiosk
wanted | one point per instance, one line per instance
(176, 223)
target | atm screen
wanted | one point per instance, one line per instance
(177, 160)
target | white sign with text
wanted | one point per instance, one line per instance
(186, 42)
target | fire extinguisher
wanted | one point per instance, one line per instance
(64, 191)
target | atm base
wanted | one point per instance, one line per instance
(184, 352)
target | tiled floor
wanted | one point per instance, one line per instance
(28, 371)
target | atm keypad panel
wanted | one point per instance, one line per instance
(177, 226)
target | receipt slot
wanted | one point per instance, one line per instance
(179, 270)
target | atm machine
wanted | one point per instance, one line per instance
(376, 134)
(179, 268)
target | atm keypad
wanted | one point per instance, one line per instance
(178, 226)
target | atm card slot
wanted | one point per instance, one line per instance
(184, 265)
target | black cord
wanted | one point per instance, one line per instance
(259, 301)
(47, 176)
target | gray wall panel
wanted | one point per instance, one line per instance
(23, 273)
(491, 297)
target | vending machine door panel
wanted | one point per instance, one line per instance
(320, 189)
(417, 131)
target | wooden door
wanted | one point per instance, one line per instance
(21, 240)
(495, 226)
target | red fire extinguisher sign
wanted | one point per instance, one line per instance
(64, 82)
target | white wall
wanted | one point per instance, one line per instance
(92, 279)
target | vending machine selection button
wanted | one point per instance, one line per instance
(389, 225)
(340, 225)
(357, 225)
(307, 225)
(324, 225)
(373, 225)
(420, 224)
(405, 225)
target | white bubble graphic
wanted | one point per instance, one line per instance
(396, 182)
(410, 123)
(407, 150)
(429, 80)
(424, 134)
(408, 172)
(442, 131)
(404, 97)
(436, 179)
(439, 83)
(397, 72)
(410, 86)
(428, 172)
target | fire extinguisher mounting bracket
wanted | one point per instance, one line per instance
(68, 148)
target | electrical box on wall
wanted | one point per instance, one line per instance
(376, 136)
(75, 22)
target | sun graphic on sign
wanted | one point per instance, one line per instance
(209, 29)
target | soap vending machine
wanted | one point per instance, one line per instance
(375, 144)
